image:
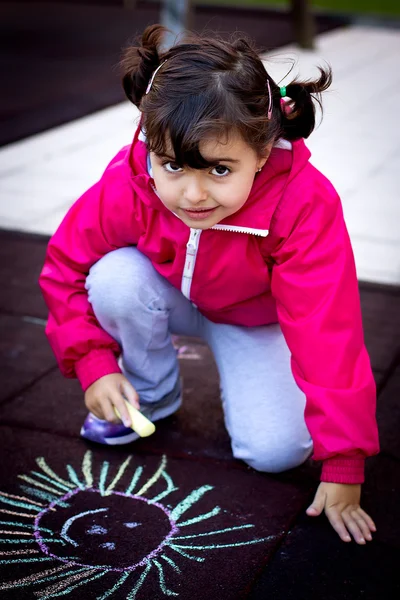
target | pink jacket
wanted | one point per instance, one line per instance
(285, 256)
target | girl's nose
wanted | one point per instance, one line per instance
(195, 191)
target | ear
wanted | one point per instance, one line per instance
(265, 155)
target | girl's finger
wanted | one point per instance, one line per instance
(130, 393)
(108, 411)
(353, 527)
(363, 525)
(119, 402)
(338, 525)
(367, 519)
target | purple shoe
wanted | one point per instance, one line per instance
(103, 432)
(114, 434)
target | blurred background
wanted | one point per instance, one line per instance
(63, 113)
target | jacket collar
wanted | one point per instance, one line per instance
(284, 163)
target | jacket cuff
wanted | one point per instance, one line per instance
(94, 365)
(343, 469)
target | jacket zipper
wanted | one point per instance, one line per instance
(192, 248)
(249, 230)
(190, 261)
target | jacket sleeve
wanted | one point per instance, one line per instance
(102, 220)
(315, 286)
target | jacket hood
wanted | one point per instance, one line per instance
(286, 161)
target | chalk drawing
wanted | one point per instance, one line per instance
(82, 520)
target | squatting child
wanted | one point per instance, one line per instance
(214, 223)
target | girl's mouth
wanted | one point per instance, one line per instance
(198, 214)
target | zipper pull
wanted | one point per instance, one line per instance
(193, 241)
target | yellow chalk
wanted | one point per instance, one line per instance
(140, 424)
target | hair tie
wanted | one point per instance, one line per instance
(283, 92)
(269, 114)
(153, 76)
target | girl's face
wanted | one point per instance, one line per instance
(203, 197)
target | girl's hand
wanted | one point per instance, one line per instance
(341, 503)
(108, 391)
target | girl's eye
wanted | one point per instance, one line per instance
(220, 171)
(171, 167)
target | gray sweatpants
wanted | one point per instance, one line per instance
(263, 407)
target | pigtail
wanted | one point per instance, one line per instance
(299, 121)
(140, 61)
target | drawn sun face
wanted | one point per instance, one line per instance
(83, 529)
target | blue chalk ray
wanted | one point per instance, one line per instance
(110, 592)
(171, 562)
(43, 577)
(134, 481)
(17, 504)
(24, 525)
(74, 478)
(188, 502)
(69, 589)
(227, 530)
(163, 587)
(45, 467)
(213, 513)
(170, 488)
(103, 477)
(43, 495)
(133, 593)
(185, 554)
(54, 482)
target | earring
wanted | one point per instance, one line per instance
(260, 169)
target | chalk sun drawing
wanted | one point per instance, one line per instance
(75, 524)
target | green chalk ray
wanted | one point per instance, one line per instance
(185, 554)
(45, 467)
(43, 495)
(170, 488)
(50, 480)
(120, 581)
(74, 477)
(134, 480)
(132, 594)
(103, 477)
(188, 502)
(215, 511)
(40, 485)
(171, 562)
(87, 469)
(73, 587)
(163, 587)
(227, 530)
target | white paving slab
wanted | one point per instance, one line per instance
(357, 146)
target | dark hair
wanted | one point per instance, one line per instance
(209, 86)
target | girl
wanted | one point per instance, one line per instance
(213, 223)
